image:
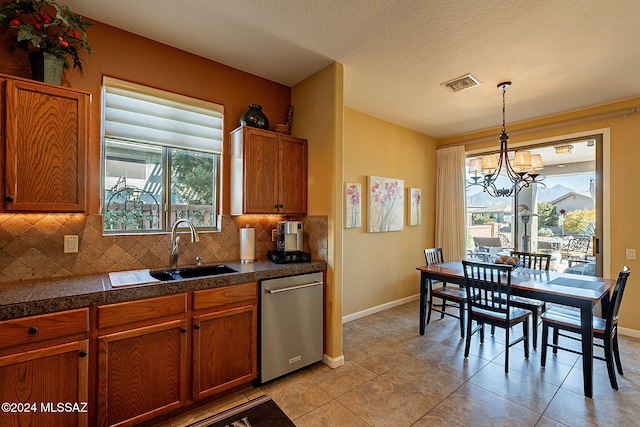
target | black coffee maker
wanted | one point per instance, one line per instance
(289, 243)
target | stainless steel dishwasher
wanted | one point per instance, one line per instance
(290, 324)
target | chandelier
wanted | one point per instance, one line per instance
(521, 172)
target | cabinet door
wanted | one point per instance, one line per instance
(141, 373)
(260, 171)
(293, 176)
(224, 347)
(43, 379)
(45, 148)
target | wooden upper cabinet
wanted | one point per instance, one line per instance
(45, 138)
(293, 175)
(268, 173)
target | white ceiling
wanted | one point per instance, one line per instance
(560, 55)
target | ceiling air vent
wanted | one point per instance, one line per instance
(461, 83)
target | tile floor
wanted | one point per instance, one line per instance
(392, 376)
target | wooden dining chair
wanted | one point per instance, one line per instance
(536, 261)
(488, 289)
(451, 296)
(604, 328)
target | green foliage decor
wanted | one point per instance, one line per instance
(44, 25)
(580, 221)
(483, 219)
(547, 215)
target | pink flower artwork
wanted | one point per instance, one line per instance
(415, 214)
(353, 205)
(386, 204)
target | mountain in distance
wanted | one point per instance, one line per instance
(544, 195)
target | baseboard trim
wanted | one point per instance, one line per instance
(379, 308)
(333, 362)
(340, 360)
(629, 332)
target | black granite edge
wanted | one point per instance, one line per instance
(53, 295)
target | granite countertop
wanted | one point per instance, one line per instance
(33, 297)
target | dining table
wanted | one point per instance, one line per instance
(583, 292)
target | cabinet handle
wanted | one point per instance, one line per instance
(33, 330)
(8, 198)
(275, 206)
(82, 354)
(281, 206)
(197, 326)
(183, 330)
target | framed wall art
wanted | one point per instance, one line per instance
(386, 204)
(415, 215)
(353, 205)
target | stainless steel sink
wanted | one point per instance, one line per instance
(191, 272)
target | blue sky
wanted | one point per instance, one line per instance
(575, 182)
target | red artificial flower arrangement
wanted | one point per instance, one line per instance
(44, 25)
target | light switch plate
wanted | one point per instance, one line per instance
(630, 253)
(70, 244)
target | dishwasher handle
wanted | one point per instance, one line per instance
(293, 288)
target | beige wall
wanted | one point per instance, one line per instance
(318, 117)
(380, 268)
(623, 121)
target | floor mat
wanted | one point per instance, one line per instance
(260, 412)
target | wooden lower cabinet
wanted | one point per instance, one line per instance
(142, 373)
(46, 386)
(148, 357)
(151, 363)
(224, 350)
(44, 370)
(143, 358)
(225, 338)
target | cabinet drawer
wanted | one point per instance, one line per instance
(44, 327)
(141, 310)
(217, 297)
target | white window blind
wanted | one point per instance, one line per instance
(145, 115)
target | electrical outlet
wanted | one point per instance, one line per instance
(70, 244)
(274, 235)
(631, 253)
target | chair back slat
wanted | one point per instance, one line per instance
(536, 261)
(613, 309)
(488, 285)
(433, 256)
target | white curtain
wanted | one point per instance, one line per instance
(450, 202)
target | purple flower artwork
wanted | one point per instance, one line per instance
(415, 215)
(353, 205)
(386, 204)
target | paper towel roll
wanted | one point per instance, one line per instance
(247, 245)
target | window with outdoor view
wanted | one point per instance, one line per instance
(161, 159)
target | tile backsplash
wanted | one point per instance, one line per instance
(31, 245)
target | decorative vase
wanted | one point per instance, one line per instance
(46, 67)
(254, 117)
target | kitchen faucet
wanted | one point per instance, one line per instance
(175, 239)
